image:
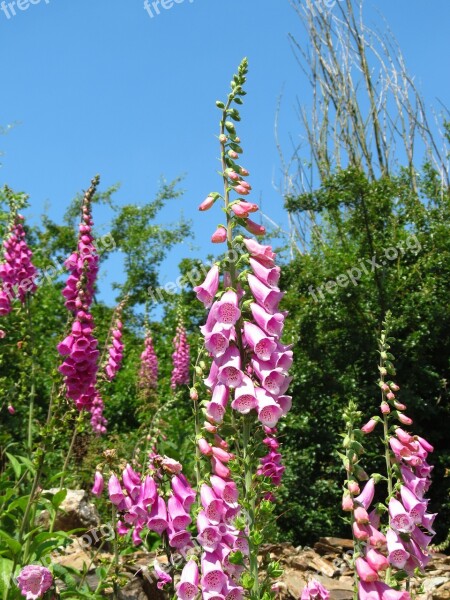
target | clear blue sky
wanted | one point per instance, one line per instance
(98, 86)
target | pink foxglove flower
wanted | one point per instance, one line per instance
(315, 591)
(219, 236)
(187, 588)
(34, 581)
(17, 273)
(115, 350)
(162, 576)
(97, 488)
(208, 289)
(148, 374)
(181, 359)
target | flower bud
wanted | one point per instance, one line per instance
(193, 394)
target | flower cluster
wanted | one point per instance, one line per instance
(83, 264)
(34, 581)
(79, 348)
(142, 503)
(180, 358)
(148, 373)
(115, 351)
(98, 421)
(217, 534)
(410, 531)
(270, 464)
(17, 273)
(261, 383)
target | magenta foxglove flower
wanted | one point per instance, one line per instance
(148, 374)
(208, 289)
(163, 577)
(97, 488)
(219, 236)
(181, 359)
(378, 590)
(315, 591)
(115, 351)
(33, 581)
(365, 571)
(187, 588)
(17, 273)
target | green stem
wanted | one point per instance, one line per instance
(32, 376)
(24, 526)
(116, 554)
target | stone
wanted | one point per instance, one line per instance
(75, 512)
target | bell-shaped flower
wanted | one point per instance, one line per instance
(213, 577)
(183, 491)
(270, 276)
(215, 409)
(131, 482)
(115, 491)
(365, 498)
(209, 535)
(266, 297)
(365, 571)
(376, 560)
(226, 310)
(262, 345)
(245, 396)
(269, 412)
(315, 591)
(213, 506)
(400, 520)
(163, 578)
(97, 488)
(178, 517)
(226, 490)
(217, 341)
(229, 372)
(416, 508)
(157, 520)
(272, 324)
(187, 588)
(208, 289)
(262, 253)
(397, 553)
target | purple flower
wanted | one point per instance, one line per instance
(181, 359)
(34, 581)
(315, 591)
(148, 374)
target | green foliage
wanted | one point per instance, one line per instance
(335, 328)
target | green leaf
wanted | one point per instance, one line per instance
(59, 498)
(247, 581)
(6, 567)
(12, 544)
(15, 465)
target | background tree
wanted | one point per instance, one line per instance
(374, 190)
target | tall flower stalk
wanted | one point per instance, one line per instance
(247, 381)
(387, 555)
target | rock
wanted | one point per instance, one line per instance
(75, 512)
(337, 542)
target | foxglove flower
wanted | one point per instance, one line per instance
(17, 273)
(181, 359)
(148, 374)
(315, 591)
(34, 581)
(115, 350)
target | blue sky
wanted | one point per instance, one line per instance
(98, 86)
